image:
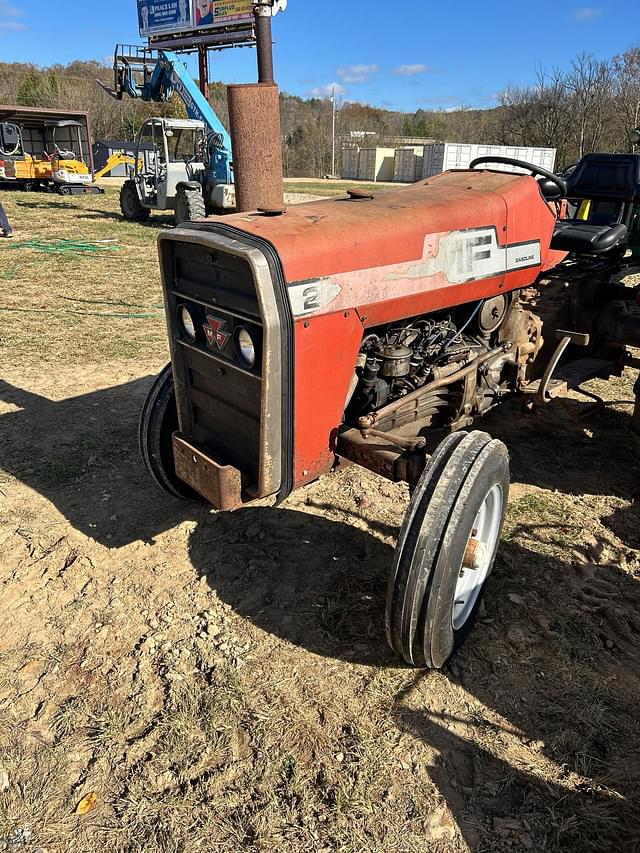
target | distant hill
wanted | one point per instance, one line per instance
(592, 106)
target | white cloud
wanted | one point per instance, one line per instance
(327, 90)
(7, 10)
(410, 70)
(10, 11)
(586, 14)
(357, 73)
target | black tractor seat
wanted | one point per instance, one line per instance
(611, 185)
(580, 238)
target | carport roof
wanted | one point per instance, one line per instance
(37, 116)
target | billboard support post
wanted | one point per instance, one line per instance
(203, 70)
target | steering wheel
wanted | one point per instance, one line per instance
(521, 164)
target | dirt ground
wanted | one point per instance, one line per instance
(221, 682)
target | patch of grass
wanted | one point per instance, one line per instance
(537, 504)
(70, 717)
(107, 724)
(35, 801)
(62, 308)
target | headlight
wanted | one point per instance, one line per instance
(245, 347)
(187, 324)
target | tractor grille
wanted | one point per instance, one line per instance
(219, 396)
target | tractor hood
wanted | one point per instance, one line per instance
(389, 227)
(460, 236)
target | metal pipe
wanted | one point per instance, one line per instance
(254, 118)
(203, 70)
(264, 44)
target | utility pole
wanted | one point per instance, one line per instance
(333, 132)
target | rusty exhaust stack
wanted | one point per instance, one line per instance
(254, 119)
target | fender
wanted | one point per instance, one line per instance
(189, 185)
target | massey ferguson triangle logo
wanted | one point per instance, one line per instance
(213, 329)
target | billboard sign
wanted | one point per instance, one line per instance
(175, 17)
(157, 17)
(222, 13)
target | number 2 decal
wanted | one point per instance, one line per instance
(311, 296)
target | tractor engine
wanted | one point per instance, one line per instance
(449, 368)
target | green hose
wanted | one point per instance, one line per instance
(53, 312)
(64, 247)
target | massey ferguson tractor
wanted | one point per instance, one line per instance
(377, 329)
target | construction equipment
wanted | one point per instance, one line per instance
(189, 169)
(58, 168)
(114, 161)
(376, 329)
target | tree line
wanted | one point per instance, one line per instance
(593, 105)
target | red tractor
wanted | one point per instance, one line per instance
(377, 329)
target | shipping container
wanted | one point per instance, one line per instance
(543, 157)
(376, 164)
(408, 164)
(442, 156)
(350, 157)
(404, 167)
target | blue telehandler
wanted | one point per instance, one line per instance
(183, 165)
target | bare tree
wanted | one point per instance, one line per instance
(590, 85)
(627, 92)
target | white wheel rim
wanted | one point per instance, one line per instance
(485, 543)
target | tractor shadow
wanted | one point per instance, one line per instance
(542, 751)
(81, 454)
(541, 748)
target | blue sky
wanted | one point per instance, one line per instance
(409, 55)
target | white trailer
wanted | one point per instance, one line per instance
(442, 156)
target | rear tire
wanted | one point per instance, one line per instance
(158, 422)
(130, 205)
(446, 549)
(189, 206)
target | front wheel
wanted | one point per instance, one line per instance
(446, 549)
(158, 422)
(189, 206)
(130, 205)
